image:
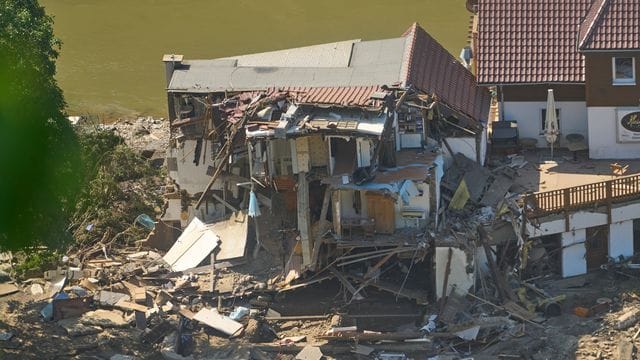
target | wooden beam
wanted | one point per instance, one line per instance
(346, 283)
(445, 283)
(138, 294)
(495, 274)
(317, 240)
(304, 221)
(223, 202)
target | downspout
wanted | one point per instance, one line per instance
(501, 102)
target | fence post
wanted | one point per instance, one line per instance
(566, 203)
(609, 190)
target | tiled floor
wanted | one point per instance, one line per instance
(542, 174)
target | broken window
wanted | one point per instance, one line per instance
(344, 156)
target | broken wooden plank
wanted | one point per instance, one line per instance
(420, 296)
(223, 202)
(343, 349)
(127, 305)
(399, 336)
(6, 289)
(498, 279)
(305, 283)
(374, 269)
(502, 308)
(296, 317)
(345, 282)
(138, 294)
(496, 191)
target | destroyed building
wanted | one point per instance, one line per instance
(344, 143)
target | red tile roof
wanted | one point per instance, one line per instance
(431, 68)
(529, 41)
(611, 25)
(341, 95)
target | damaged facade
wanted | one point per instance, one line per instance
(344, 144)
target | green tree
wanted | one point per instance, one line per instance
(39, 158)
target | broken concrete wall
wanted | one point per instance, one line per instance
(352, 203)
(280, 162)
(555, 224)
(319, 151)
(182, 169)
(418, 200)
(621, 239)
(462, 269)
(464, 145)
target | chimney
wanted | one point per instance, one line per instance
(170, 62)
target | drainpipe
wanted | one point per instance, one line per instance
(501, 118)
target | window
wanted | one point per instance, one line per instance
(543, 119)
(624, 72)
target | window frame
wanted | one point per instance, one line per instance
(623, 82)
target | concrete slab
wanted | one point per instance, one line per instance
(192, 247)
(212, 318)
(104, 318)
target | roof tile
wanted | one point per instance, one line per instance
(611, 25)
(431, 68)
(530, 41)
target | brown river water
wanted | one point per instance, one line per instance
(110, 64)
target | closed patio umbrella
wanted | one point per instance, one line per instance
(551, 121)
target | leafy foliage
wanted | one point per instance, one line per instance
(120, 185)
(39, 162)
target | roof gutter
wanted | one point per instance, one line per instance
(609, 50)
(532, 83)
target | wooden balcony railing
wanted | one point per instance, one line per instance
(582, 196)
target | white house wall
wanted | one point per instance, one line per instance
(416, 203)
(584, 219)
(578, 220)
(573, 248)
(603, 142)
(528, 114)
(459, 278)
(621, 239)
(464, 145)
(574, 260)
(190, 177)
(627, 212)
(483, 145)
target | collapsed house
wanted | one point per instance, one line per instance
(345, 144)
